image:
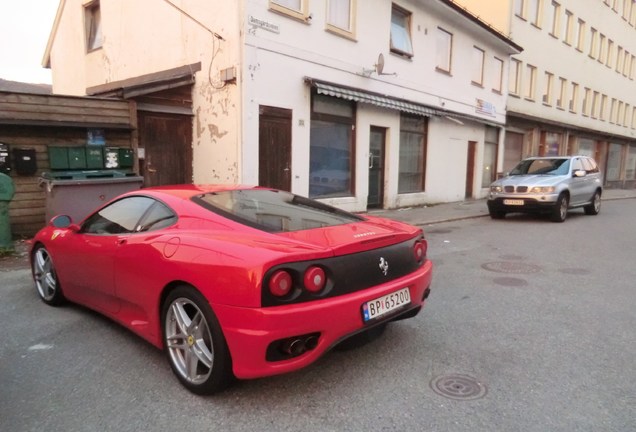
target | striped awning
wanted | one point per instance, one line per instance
(358, 95)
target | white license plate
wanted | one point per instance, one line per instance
(513, 202)
(385, 304)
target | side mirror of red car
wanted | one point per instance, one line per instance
(64, 221)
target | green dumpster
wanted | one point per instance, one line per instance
(78, 193)
(7, 190)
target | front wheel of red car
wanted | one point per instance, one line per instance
(45, 277)
(194, 343)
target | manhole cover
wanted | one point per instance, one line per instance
(510, 281)
(511, 267)
(458, 387)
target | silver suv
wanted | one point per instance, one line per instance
(548, 185)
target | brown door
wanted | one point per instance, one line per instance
(470, 168)
(167, 143)
(376, 167)
(274, 147)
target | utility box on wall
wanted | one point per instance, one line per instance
(25, 161)
(5, 166)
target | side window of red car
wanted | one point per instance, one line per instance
(120, 217)
(157, 217)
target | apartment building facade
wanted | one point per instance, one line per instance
(359, 104)
(572, 90)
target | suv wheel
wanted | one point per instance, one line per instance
(560, 210)
(595, 206)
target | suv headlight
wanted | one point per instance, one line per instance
(496, 189)
(542, 189)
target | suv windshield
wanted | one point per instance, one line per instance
(274, 211)
(555, 166)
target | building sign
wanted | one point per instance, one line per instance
(484, 107)
(255, 22)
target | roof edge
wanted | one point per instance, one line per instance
(46, 58)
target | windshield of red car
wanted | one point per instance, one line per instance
(274, 211)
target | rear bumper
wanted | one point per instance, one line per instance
(250, 331)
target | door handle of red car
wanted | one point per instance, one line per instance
(122, 241)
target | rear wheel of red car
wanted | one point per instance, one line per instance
(194, 343)
(560, 210)
(45, 277)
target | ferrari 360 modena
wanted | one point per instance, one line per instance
(234, 282)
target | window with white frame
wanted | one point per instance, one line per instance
(478, 66)
(628, 109)
(574, 97)
(593, 43)
(294, 8)
(585, 105)
(610, 53)
(498, 66)
(534, 12)
(531, 82)
(519, 8)
(569, 27)
(603, 109)
(580, 35)
(340, 16)
(619, 59)
(602, 54)
(595, 104)
(401, 31)
(563, 88)
(93, 23)
(556, 19)
(514, 81)
(634, 117)
(444, 50)
(547, 94)
(632, 66)
(627, 63)
(612, 113)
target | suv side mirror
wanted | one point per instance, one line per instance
(579, 173)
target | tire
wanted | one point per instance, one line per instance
(194, 343)
(497, 214)
(45, 278)
(595, 206)
(560, 210)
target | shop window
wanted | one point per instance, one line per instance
(614, 162)
(489, 168)
(331, 154)
(413, 144)
(630, 168)
(93, 23)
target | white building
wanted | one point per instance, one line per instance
(360, 104)
(573, 89)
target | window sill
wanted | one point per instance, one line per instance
(402, 54)
(341, 32)
(477, 84)
(443, 71)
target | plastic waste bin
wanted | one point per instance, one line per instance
(78, 193)
(7, 190)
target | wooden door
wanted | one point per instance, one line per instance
(470, 168)
(167, 142)
(274, 147)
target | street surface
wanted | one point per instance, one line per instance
(531, 326)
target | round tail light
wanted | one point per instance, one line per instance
(280, 284)
(315, 279)
(419, 250)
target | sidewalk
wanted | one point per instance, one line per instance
(436, 213)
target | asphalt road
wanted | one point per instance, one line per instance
(531, 326)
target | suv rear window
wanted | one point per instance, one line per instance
(274, 211)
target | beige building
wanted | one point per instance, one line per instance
(361, 104)
(572, 90)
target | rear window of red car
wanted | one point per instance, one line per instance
(274, 211)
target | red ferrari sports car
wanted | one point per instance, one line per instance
(234, 281)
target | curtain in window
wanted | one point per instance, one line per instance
(339, 14)
(400, 32)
